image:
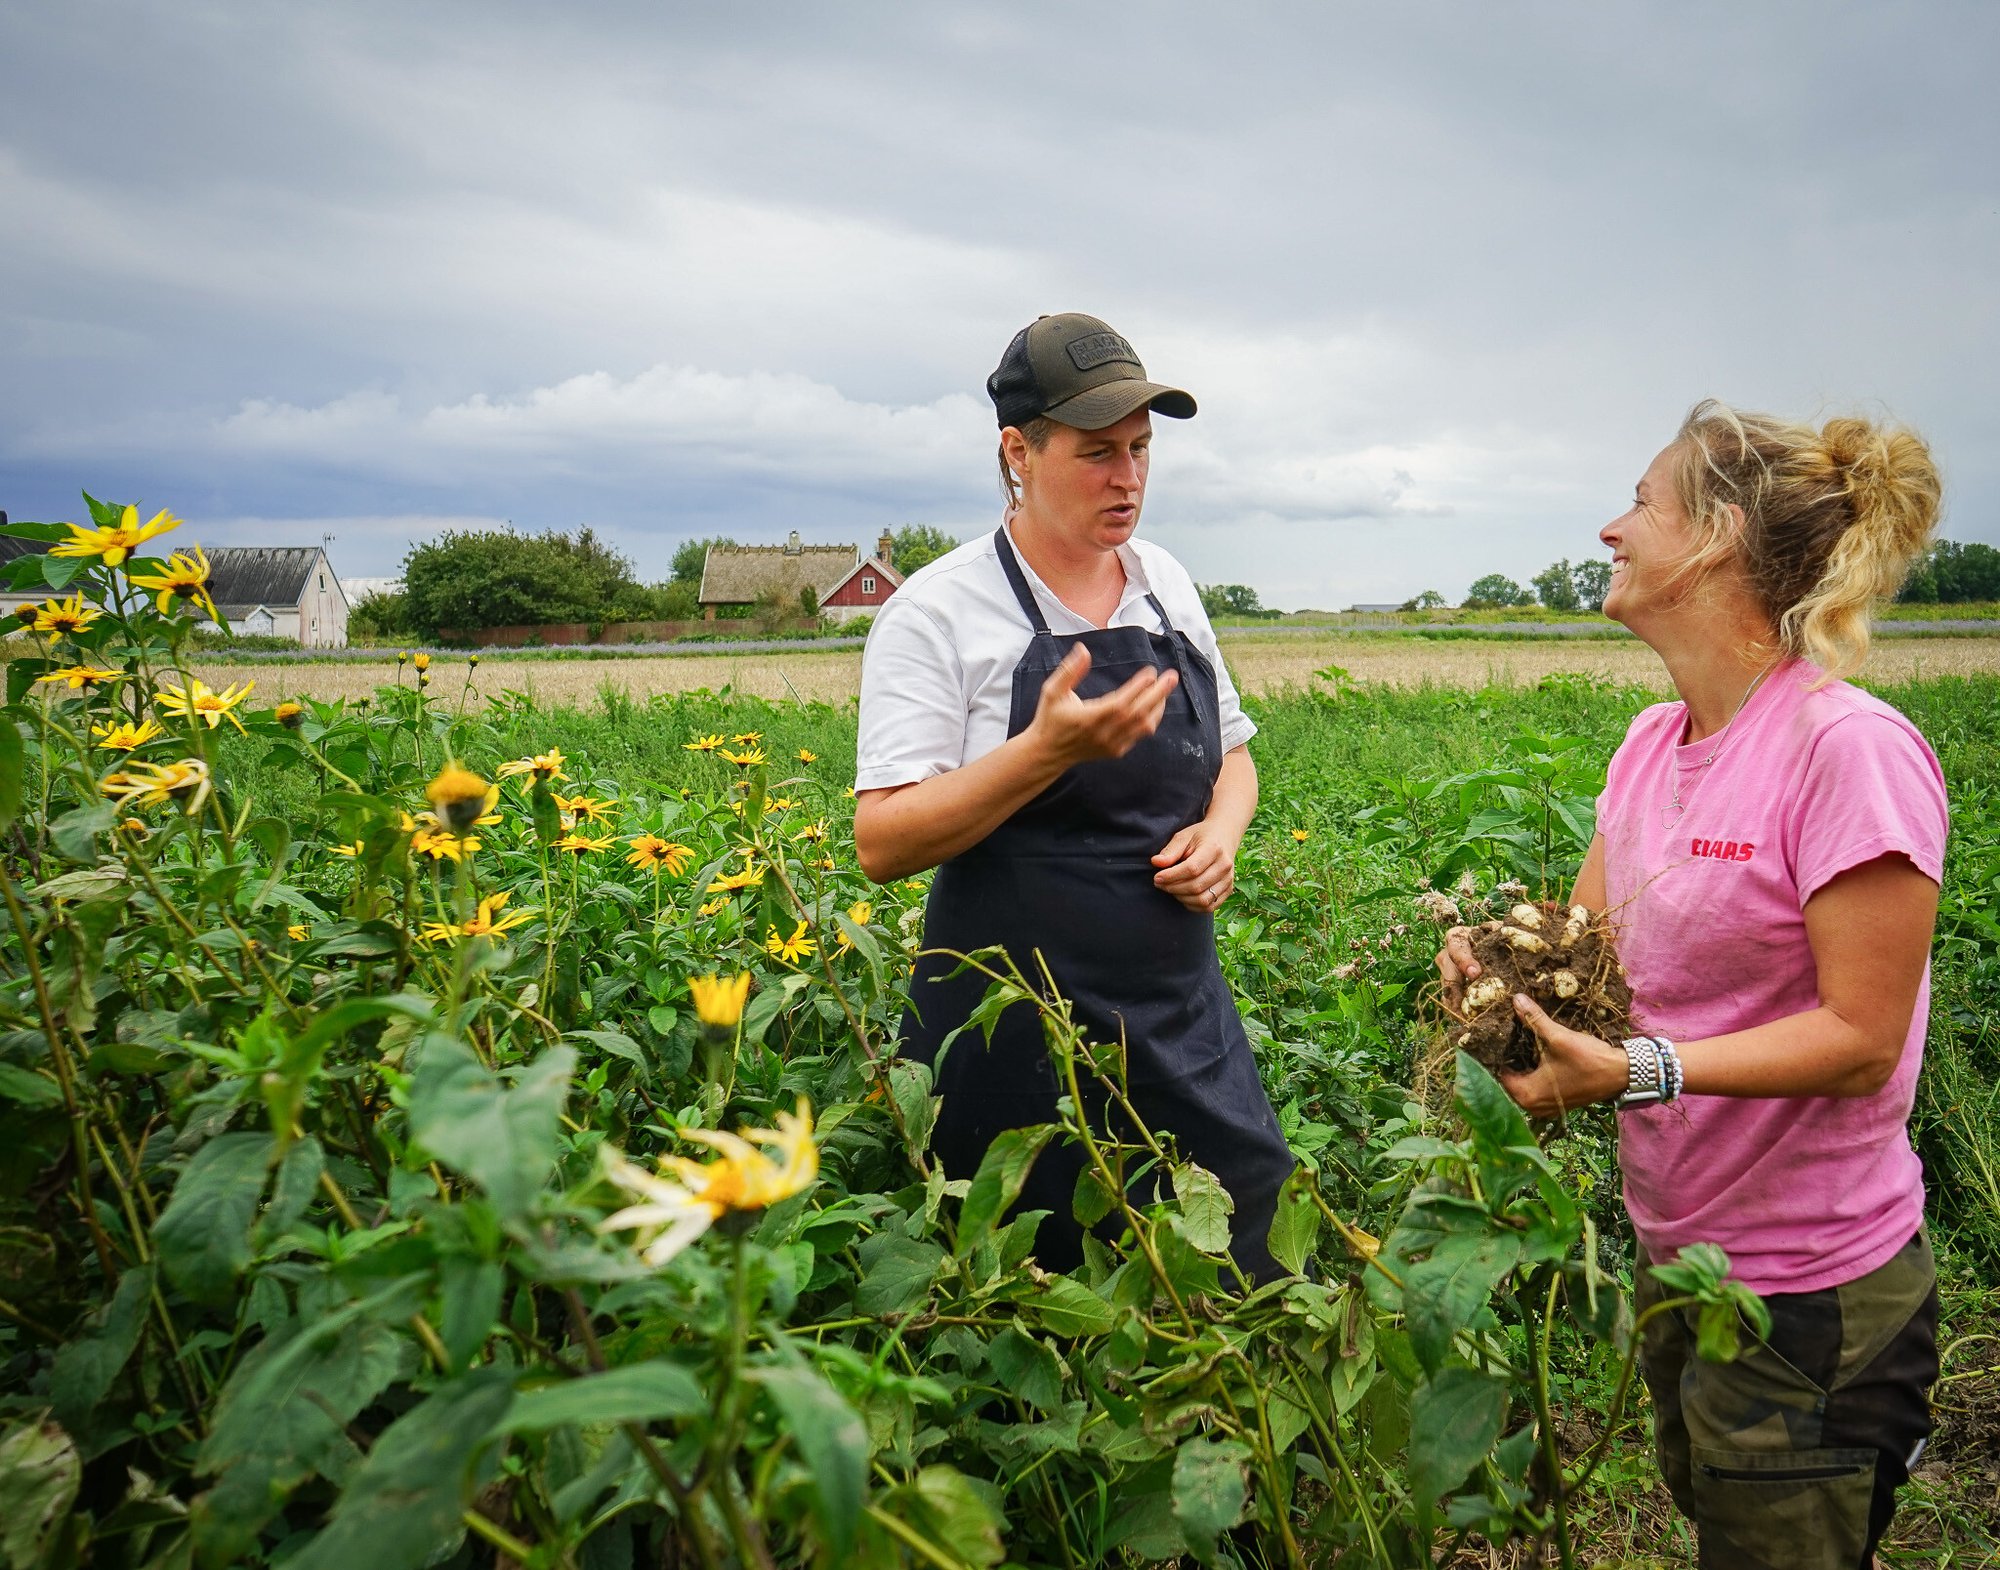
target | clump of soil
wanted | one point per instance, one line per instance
(1563, 958)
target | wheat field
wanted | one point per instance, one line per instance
(1260, 664)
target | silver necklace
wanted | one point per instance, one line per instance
(1672, 813)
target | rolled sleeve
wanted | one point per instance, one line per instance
(913, 704)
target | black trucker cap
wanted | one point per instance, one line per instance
(1076, 370)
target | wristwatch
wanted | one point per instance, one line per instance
(1652, 1072)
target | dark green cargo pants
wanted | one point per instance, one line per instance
(1789, 1458)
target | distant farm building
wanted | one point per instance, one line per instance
(844, 582)
(277, 591)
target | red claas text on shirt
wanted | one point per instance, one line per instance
(1723, 850)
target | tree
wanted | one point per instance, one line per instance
(808, 601)
(1429, 600)
(1593, 581)
(1496, 589)
(1230, 599)
(1951, 573)
(465, 580)
(920, 544)
(1556, 584)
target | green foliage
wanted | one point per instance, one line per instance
(381, 619)
(1951, 573)
(920, 544)
(1557, 587)
(468, 580)
(1592, 581)
(1232, 599)
(691, 556)
(1496, 589)
(1429, 600)
(308, 1209)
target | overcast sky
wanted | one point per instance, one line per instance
(1443, 277)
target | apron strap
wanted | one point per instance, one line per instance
(1012, 567)
(1180, 655)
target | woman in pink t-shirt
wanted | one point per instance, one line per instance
(1770, 846)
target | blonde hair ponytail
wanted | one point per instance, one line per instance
(1831, 519)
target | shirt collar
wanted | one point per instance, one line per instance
(1137, 585)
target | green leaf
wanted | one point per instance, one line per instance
(642, 1393)
(471, 1290)
(1455, 1417)
(204, 1234)
(1069, 1308)
(1441, 1295)
(997, 1184)
(1026, 1369)
(74, 833)
(13, 771)
(1211, 1487)
(896, 1274)
(832, 1442)
(84, 1369)
(1205, 1206)
(616, 1042)
(403, 1506)
(298, 1181)
(1496, 1122)
(1295, 1225)
(503, 1139)
(960, 1513)
(39, 1476)
(24, 1087)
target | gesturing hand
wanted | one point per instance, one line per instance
(1198, 867)
(1076, 730)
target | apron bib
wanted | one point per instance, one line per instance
(1070, 875)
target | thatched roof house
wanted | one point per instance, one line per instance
(745, 574)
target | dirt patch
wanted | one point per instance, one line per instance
(1563, 958)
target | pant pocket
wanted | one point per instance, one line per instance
(1782, 1509)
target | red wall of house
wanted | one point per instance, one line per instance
(849, 593)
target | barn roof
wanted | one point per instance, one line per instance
(872, 564)
(739, 574)
(260, 574)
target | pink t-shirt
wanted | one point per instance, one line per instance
(1804, 1192)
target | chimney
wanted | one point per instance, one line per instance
(792, 546)
(885, 549)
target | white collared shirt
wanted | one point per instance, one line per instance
(937, 677)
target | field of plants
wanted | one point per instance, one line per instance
(440, 1126)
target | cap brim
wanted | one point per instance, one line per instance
(1097, 407)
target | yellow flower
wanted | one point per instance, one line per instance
(748, 738)
(298, 932)
(826, 864)
(77, 677)
(806, 757)
(710, 907)
(354, 849)
(547, 767)
(748, 878)
(718, 1003)
(652, 853)
(290, 715)
(65, 618)
(461, 798)
(482, 923)
(124, 736)
(155, 784)
(402, 657)
(577, 844)
(587, 807)
(117, 542)
(443, 845)
(186, 578)
(26, 614)
(850, 793)
(913, 885)
(812, 831)
(422, 662)
(748, 759)
(702, 744)
(782, 804)
(858, 913)
(791, 950)
(680, 1204)
(198, 702)
(134, 827)
(1301, 835)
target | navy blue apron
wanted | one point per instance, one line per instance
(1071, 875)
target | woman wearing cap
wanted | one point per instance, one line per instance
(1045, 719)
(1772, 844)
